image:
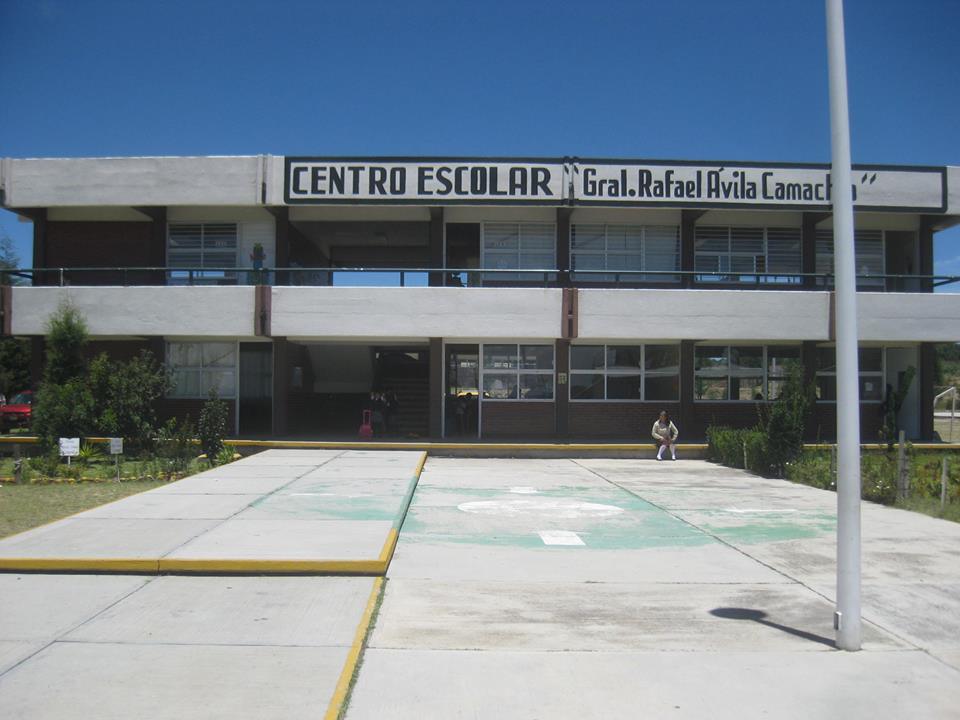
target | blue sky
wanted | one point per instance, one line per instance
(738, 79)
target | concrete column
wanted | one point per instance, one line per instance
(281, 386)
(687, 407)
(436, 245)
(562, 399)
(282, 249)
(688, 225)
(435, 402)
(926, 373)
(39, 218)
(158, 244)
(563, 246)
(926, 251)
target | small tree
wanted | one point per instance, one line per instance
(891, 406)
(213, 426)
(782, 422)
(14, 366)
(126, 393)
(66, 339)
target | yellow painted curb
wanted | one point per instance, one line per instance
(115, 565)
(271, 567)
(340, 693)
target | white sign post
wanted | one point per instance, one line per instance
(116, 449)
(69, 447)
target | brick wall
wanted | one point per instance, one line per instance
(629, 421)
(518, 419)
(103, 244)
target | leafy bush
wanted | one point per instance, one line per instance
(63, 410)
(90, 453)
(726, 445)
(175, 448)
(126, 394)
(14, 365)
(225, 456)
(782, 422)
(812, 468)
(213, 426)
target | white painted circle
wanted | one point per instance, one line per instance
(541, 508)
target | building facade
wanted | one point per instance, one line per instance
(505, 298)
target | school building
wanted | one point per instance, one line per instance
(498, 298)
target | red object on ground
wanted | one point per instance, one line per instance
(366, 426)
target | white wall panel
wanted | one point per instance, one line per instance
(914, 317)
(702, 314)
(415, 313)
(134, 181)
(124, 311)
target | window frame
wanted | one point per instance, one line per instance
(881, 374)
(202, 369)
(519, 252)
(824, 261)
(764, 370)
(607, 274)
(606, 372)
(517, 372)
(726, 275)
(199, 274)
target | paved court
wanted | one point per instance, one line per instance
(622, 588)
(518, 589)
(278, 511)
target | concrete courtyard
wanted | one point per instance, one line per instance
(518, 589)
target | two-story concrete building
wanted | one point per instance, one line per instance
(495, 297)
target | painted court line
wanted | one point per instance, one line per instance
(560, 537)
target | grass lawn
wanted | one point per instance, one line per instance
(931, 507)
(25, 506)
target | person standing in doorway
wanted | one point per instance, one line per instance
(665, 433)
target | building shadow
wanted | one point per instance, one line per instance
(758, 616)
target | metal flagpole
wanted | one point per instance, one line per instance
(847, 616)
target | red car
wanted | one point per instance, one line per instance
(17, 412)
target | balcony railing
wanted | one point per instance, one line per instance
(451, 277)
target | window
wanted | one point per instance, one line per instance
(197, 368)
(870, 360)
(517, 372)
(518, 246)
(201, 246)
(742, 373)
(625, 372)
(870, 256)
(738, 254)
(629, 248)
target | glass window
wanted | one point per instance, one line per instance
(201, 248)
(517, 372)
(747, 254)
(198, 368)
(870, 361)
(499, 357)
(586, 357)
(509, 246)
(710, 359)
(624, 372)
(743, 373)
(625, 248)
(710, 388)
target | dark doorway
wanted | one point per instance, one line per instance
(256, 388)
(463, 252)
(462, 397)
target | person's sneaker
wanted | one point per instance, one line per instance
(659, 458)
(674, 457)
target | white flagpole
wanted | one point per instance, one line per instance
(847, 617)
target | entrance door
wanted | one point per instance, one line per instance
(256, 388)
(462, 398)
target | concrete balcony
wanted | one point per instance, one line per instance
(210, 311)
(762, 315)
(415, 313)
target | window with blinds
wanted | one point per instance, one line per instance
(747, 254)
(198, 368)
(869, 248)
(518, 246)
(203, 251)
(599, 252)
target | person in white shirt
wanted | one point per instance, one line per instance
(665, 433)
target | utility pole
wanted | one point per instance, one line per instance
(847, 616)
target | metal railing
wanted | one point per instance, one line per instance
(451, 277)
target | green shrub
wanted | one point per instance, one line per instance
(213, 426)
(65, 342)
(225, 456)
(175, 448)
(782, 422)
(726, 445)
(126, 395)
(63, 410)
(812, 468)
